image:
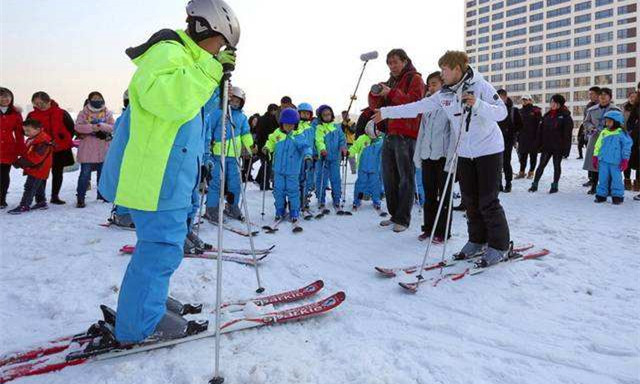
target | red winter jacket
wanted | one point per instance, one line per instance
(57, 123)
(407, 89)
(11, 136)
(37, 160)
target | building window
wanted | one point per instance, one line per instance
(471, 3)
(559, 23)
(603, 65)
(580, 95)
(578, 110)
(555, 71)
(516, 42)
(516, 63)
(497, 36)
(518, 21)
(582, 29)
(517, 32)
(582, 40)
(497, 26)
(602, 79)
(582, 68)
(535, 73)
(558, 12)
(623, 93)
(497, 16)
(534, 86)
(516, 75)
(604, 14)
(496, 67)
(629, 20)
(483, 58)
(582, 54)
(608, 24)
(536, 28)
(495, 6)
(483, 39)
(551, 3)
(497, 55)
(558, 57)
(560, 83)
(558, 34)
(535, 38)
(535, 61)
(496, 78)
(536, 17)
(471, 42)
(484, 29)
(581, 82)
(582, 6)
(471, 13)
(471, 32)
(485, 48)
(626, 77)
(604, 36)
(629, 62)
(496, 46)
(516, 52)
(600, 3)
(483, 68)
(516, 11)
(471, 23)
(483, 19)
(603, 51)
(626, 33)
(631, 8)
(515, 87)
(536, 5)
(582, 18)
(558, 44)
(484, 9)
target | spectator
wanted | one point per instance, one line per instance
(510, 127)
(405, 85)
(94, 126)
(349, 129)
(248, 158)
(11, 141)
(531, 116)
(553, 140)
(593, 125)
(633, 128)
(59, 125)
(267, 124)
(594, 94)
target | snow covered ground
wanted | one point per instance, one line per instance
(571, 317)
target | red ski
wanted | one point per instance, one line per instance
(278, 298)
(244, 260)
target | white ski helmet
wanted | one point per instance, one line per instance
(208, 16)
(239, 93)
(370, 129)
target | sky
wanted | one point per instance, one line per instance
(309, 50)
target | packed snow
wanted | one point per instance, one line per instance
(570, 317)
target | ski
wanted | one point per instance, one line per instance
(278, 298)
(392, 272)
(214, 250)
(471, 271)
(109, 224)
(238, 231)
(273, 228)
(75, 353)
(210, 255)
(296, 228)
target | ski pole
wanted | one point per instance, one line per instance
(245, 205)
(264, 182)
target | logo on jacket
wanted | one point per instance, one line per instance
(446, 103)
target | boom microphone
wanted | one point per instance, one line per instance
(369, 56)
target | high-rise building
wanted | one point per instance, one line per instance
(544, 47)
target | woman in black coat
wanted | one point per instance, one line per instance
(553, 140)
(531, 116)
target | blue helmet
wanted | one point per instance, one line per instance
(615, 116)
(322, 108)
(289, 116)
(305, 107)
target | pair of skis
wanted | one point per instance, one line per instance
(213, 254)
(274, 227)
(72, 350)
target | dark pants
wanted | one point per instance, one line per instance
(398, 176)
(265, 166)
(557, 168)
(486, 221)
(57, 169)
(627, 174)
(506, 162)
(33, 188)
(5, 171)
(85, 177)
(581, 144)
(533, 160)
(434, 178)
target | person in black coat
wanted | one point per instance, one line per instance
(267, 124)
(510, 127)
(531, 116)
(553, 140)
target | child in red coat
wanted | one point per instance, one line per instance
(36, 163)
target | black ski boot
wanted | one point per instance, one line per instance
(181, 309)
(600, 199)
(617, 200)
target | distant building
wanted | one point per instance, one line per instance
(543, 47)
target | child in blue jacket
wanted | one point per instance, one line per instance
(288, 150)
(307, 128)
(332, 146)
(368, 149)
(611, 158)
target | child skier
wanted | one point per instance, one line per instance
(288, 151)
(368, 149)
(233, 151)
(36, 163)
(308, 129)
(331, 145)
(611, 158)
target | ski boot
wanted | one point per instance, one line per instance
(491, 257)
(554, 188)
(617, 200)
(211, 214)
(123, 221)
(181, 309)
(534, 187)
(470, 250)
(233, 212)
(600, 199)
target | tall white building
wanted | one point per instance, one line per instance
(544, 47)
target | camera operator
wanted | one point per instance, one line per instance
(94, 126)
(405, 85)
(473, 108)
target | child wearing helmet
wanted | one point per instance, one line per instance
(332, 146)
(307, 172)
(238, 137)
(367, 148)
(611, 158)
(288, 150)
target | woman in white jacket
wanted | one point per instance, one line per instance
(473, 108)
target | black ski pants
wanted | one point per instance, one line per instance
(533, 160)
(506, 162)
(434, 177)
(557, 167)
(486, 221)
(5, 172)
(398, 176)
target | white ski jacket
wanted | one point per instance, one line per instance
(484, 136)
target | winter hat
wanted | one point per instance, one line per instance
(615, 116)
(322, 108)
(289, 116)
(527, 97)
(559, 99)
(305, 107)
